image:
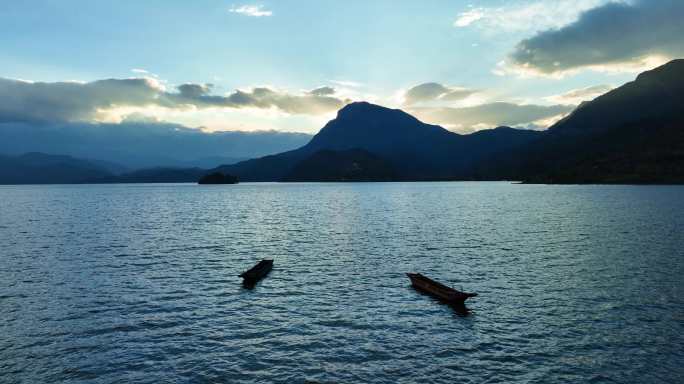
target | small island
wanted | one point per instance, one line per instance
(218, 178)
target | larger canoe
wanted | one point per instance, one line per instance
(438, 290)
(257, 272)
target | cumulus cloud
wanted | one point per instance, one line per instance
(489, 115)
(73, 101)
(251, 10)
(427, 92)
(611, 37)
(577, 96)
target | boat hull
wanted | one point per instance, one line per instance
(257, 272)
(438, 290)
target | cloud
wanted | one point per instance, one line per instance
(613, 37)
(347, 83)
(537, 15)
(315, 102)
(466, 18)
(251, 10)
(323, 91)
(577, 96)
(190, 90)
(489, 115)
(304, 104)
(427, 92)
(144, 72)
(311, 103)
(73, 101)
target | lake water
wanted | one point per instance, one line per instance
(138, 283)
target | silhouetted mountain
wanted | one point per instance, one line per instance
(344, 165)
(647, 151)
(415, 150)
(654, 95)
(40, 168)
(633, 134)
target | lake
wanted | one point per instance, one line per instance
(138, 283)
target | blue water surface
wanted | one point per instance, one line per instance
(138, 283)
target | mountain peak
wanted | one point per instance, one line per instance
(360, 108)
(671, 71)
(654, 95)
(369, 115)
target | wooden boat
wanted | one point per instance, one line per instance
(257, 272)
(438, 290)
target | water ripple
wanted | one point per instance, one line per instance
(109, 284)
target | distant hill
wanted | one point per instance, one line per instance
(633, 134)
(654, 95)
(41, 168)
(413, 149)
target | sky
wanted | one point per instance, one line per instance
(289, 65)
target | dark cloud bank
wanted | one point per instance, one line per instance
(614, 33)
(72, 101)
(58, 118)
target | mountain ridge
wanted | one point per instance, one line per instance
(632, 134)
(415, 150)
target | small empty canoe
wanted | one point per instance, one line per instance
(438, 290)
(257, 272)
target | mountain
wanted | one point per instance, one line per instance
(344, 165)
(413, 149)
(654, 95)
(633, 134)
(41, 168)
